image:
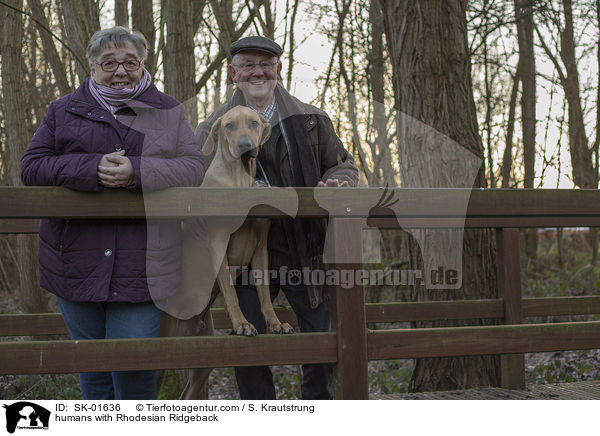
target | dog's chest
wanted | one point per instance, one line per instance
(244, 242)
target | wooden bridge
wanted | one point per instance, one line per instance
(349, 346)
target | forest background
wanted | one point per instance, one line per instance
(515, 83)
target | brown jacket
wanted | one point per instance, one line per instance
(333, 160)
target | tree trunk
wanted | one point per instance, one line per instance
(440, 146)
(594, 230)
(349, 84)
(50, 51)
(179, 62)
(292, 44)
(13, 85)
(225, 23)
(524, 19)
(81, 20)
(488, 102)
(382, 155)
(581, 157)
(142, 20)
(510, 129)
(267, 23)
(32, 298)
(122, 13)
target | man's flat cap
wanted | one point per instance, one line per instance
(256, 43)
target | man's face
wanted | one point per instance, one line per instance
(255, 73)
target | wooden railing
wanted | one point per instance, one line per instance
(349, 346)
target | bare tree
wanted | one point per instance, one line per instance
(525, 29)
(50, 52)
(585, 174)
(122, 13)
(179, 64)
(13, 87)
(581, 156)
(380, 150)
(225, 38)
(267, 23)
(82, 20)
(291, 47)
(427, 42)
(142, 20)
(507, 160)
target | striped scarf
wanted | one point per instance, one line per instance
(113, 99)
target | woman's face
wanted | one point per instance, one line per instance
(120, 78)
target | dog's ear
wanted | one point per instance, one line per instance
(266, 130)
(213, 136)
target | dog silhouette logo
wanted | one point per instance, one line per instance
(26, 415)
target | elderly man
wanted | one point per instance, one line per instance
(303, 150)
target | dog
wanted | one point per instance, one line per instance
(234, 139)
(210, 246)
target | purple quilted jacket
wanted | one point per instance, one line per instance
(112, 260)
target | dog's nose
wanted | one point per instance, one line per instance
(245, 142)
(246, 147)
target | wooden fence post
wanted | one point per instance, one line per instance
(348, 310)
(512, 366)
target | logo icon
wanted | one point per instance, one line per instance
(26, 415)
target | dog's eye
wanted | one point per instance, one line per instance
(254, 124)
(229, 126)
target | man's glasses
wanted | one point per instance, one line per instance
(250, 66)
(112, 65)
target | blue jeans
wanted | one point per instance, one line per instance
(113, 321)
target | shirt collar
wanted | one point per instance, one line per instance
(268, 112)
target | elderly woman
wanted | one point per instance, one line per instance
(116, 131)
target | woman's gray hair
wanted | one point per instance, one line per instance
(117, 37)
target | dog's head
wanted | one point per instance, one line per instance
(239, 133)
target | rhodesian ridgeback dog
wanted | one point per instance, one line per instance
(237, 136)
(212, 246)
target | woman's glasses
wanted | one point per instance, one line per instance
(112, 65)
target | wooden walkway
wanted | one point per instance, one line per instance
(588, 390)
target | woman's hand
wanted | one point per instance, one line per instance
(115, 170)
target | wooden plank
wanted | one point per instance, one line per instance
(476, 222)
(32, 225)
(222, 321)
(19, 226)
(520, 221)
(52, 323)
(32, 324)
(472, 341)
(434, 310)
(564, 207)
(348, 312)
(562, 391)
(50, 357)
(534, 202)
(557, 306)
(42, 202)
(512, 366)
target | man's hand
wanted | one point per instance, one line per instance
(115, 170)
(333, 183)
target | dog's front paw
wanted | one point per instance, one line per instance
(281, 328)
(244, 329)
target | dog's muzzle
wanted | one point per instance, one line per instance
(245, 148)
